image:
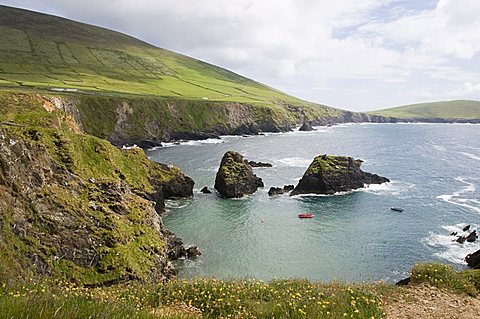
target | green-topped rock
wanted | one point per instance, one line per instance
(331, 174)
(235, 176)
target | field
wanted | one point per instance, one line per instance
(50, 53)
(459, 109)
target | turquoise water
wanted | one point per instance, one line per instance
(434, 170)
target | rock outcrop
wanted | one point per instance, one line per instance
(473, 260)
(259, 164)
(331, 174)
(306, 127)
(235, 176)
(81, 209)
(279, 191)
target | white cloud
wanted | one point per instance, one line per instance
(350, 53)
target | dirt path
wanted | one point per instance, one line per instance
(429, 302)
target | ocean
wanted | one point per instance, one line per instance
(435, 177)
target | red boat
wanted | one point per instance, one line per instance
(305, 215)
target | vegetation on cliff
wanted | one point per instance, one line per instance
(72, 205)
(458, 110)
(101, 68)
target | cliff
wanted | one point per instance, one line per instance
(73, 206)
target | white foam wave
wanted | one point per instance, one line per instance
(451, 250)
(392, 188)
(457, 198)
(438, 147)
(293, 161)
(125, 147)
(191, 143)
(472, 156)
(177, 204)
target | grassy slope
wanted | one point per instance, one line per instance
(43, 51)
(458, 109)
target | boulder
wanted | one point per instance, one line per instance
(235, 177)
(461, 239)
(205, 190)
(275, 191)
(331, 174)
(472, 236)
(473, 260)
(466, 228)
(288, 188)
(259, 164)
(306, 127)
(193, 251)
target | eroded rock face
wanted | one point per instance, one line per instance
(331, 174)
(235, 176)
(90, 230)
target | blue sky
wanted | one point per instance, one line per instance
(353, 54)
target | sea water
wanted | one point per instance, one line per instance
(435, 177)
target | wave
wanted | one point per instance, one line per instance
(451, 250)
(456, 197)
(392, 188)
(125, 147)
(438, 147)
(472, 156)
(293, 161)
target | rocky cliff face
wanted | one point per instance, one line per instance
(149, 121)
(235, 176)
(75, 207)
(332, 174)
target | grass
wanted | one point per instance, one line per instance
(207, 298)
(328, 163)
(444, 276)
(458, 109)
(45, 52)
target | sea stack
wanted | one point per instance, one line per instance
(235, 176)
(329, 174)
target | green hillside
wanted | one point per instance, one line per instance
(48, 52)
(458, 109)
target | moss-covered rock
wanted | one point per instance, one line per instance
(331, 174)
(235, 176)
(75, 207)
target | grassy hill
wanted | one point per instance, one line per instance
(457, 109)
(48, 52)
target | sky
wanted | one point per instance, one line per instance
(353, 54)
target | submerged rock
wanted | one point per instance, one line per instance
(235, 177)
(275, 191)
(331, 174)
(306, 127)
(205, 190)
(279, 191)
(259, 164)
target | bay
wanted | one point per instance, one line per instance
(434, 169)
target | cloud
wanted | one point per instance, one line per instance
(338, 52)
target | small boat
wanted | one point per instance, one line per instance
(397, 209)
(305, 215)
